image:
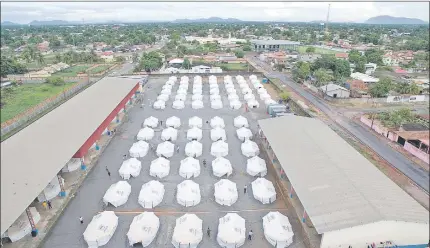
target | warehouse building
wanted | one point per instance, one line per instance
(348, 201)
(34, 157)
(274, 45)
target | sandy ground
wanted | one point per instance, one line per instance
(88, 199)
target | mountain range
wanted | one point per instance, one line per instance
(385, 19)
(374, 20)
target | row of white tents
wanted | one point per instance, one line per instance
(248, 96)
(188, 230)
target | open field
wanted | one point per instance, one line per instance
(302, 50)
(88, 200)
(49, 59)
(99, 69)
(233, 67)
(72, 71)
(18, 99)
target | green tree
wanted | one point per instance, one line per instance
(239, 53)
(186, 64)
(40, 58)
(57, 58)
(57, 81)
(405, 88)
(322, 77)
(381, 88)
(284, 96)
(374, 56)
(310, 50)
(119, 59)
(135, 57)
(301, 71)
(246, 48)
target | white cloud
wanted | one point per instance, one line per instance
(166, 11)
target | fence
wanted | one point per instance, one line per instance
(22, 119)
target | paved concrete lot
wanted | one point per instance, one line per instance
(88, 200)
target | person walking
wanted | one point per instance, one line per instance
(124, 157)
(161, 123)
(45, 205)
(49, 205)
(245, 188)
(108, 172)
(209, 232)
(250, 235)
(177, 149)
(81, 220)
(204, 163)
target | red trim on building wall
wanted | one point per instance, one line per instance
(97, 134)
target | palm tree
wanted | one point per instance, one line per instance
(58, 58)
(39, 58)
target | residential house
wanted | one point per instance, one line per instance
(205, 69)
(363, 77)
(107, 56)
(99, 46)
(357, 88)
(176, 62)
(342, 56)
(43, 46)
(309, 57)
(370, 68)
(334, 91)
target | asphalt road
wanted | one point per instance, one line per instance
(398, 160)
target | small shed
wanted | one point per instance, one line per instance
(335, 91)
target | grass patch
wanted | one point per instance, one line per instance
(302, 50)
(19, 99)
(72, 71)
(233, 67)
(99, 69)
(49, 59)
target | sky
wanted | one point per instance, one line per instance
(25, 12)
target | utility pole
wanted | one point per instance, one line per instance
(327, 20)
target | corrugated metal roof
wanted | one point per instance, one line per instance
(338, 187)
(33, 156)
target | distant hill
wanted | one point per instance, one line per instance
(205, 20)
(8, 23)
(49, 23)
(385, 19)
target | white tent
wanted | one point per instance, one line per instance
(253, 104)
(159, 104)
(231, 231)
(197, 91)
(249, 148)
(188, 193)
(181, 91)
(21, 227)
(130, 167)
(194, 133)
(197, 97)
(240, 121)
(188, 231)
(216, 104)
(265, 96)
(214, 91)
(173, 121)
(215, 97)
(195, 122)
(170, 82)
(190, 167)
(243, 85)
(217, 122)
(160, 167)
(229, 86)
(169, 134)
(139, 149)
(182, 86)
(166, 91)
(72, 165)
(197, 79)
(225, 192)
(246, 91)
(145, 133)
(256, 166)
(219, 149)
(178, 104)
(143, 229)
(263, 190)
(117, 194)
(231, 90)
(221, 167)
(151, 194)
(262, 91)
(213, 86)
(253, 77)
(269, 102)
(218, 134)
(167, 86)
(150, 122)
(185, 78)
(244, 133)
(277, 229)
(163, 97)
(248, 97)
(235, 104)
(258, 85)
(180, 97)
(165, 149)
(51, 190)
(173, 78)
(197, 104)
(101, 229)
(193, 149)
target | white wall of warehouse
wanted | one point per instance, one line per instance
(398, 232)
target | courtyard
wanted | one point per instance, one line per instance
(87, 201)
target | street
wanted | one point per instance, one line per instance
(398, 160)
